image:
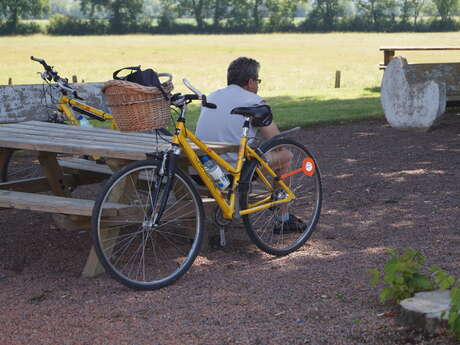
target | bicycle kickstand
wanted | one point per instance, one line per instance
(221, 223)
(222, 242)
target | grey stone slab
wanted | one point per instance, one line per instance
(28, 102)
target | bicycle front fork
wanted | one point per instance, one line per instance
(161, 189)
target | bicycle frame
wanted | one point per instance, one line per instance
(228, 208)
(66, 105)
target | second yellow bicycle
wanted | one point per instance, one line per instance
(157, 232)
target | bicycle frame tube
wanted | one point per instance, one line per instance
(265, 203)
(228, 208)
(65, 105)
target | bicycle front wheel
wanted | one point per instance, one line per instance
(135, 249)
(282, 229)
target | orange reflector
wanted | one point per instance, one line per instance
(308, 168)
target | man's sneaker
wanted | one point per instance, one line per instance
(293, 224)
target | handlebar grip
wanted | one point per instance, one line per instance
(37, 59)
(209, 105)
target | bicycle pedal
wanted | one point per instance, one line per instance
(223, 242)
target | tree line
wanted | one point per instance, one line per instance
(226, 16)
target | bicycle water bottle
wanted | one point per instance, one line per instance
(219, 177)
(83, 121)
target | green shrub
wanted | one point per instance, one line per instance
(7, 28)
(64, 25)
(402, 278)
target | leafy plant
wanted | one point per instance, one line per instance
(401, 275)
(446, 281)
(402, 278)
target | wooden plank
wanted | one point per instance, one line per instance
(113, 136)
(44, 141)
(72, 147)
(76, 132)
(52, 204)
(419, 48)
(78, 138)
(52, 129)
(78, 164)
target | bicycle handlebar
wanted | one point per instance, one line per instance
(52, 75)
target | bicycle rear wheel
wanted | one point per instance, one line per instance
(131, 248)
(20, 165)
(266, 227)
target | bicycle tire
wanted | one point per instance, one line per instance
(168, 250)
(19, 165)
(260, 225)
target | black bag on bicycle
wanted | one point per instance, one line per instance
(146, 77)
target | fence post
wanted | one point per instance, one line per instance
(337, 79)
(10, 81)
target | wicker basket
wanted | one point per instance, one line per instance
(136, 107)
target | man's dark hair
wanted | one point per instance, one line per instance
(241, 70)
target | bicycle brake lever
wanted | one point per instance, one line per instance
(206, 104)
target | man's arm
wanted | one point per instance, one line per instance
(269, 131)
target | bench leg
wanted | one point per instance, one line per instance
(387, 56)
(93, 267)
(54, 173)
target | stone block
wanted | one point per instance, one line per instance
(27, 102)
(414, 96)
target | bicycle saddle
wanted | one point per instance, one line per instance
(261, 115)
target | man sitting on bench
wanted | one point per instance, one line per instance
(221, 126)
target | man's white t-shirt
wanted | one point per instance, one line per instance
(218, 124)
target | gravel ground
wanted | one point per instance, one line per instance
(383, 188)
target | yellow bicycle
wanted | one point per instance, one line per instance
(157, 233)
(19, 164)
(68, 109)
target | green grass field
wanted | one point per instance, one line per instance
(298, 70)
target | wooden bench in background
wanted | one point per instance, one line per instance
(389, 52)
(415, 96)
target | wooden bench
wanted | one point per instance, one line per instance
(415, 96)
(49, 140)
(389, 52)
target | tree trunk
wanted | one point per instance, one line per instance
(217, 13)
(116, 22)
(198, 13)
(14, 20)
(255, 14)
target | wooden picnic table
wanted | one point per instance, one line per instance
(389, 52)
(50, 140)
